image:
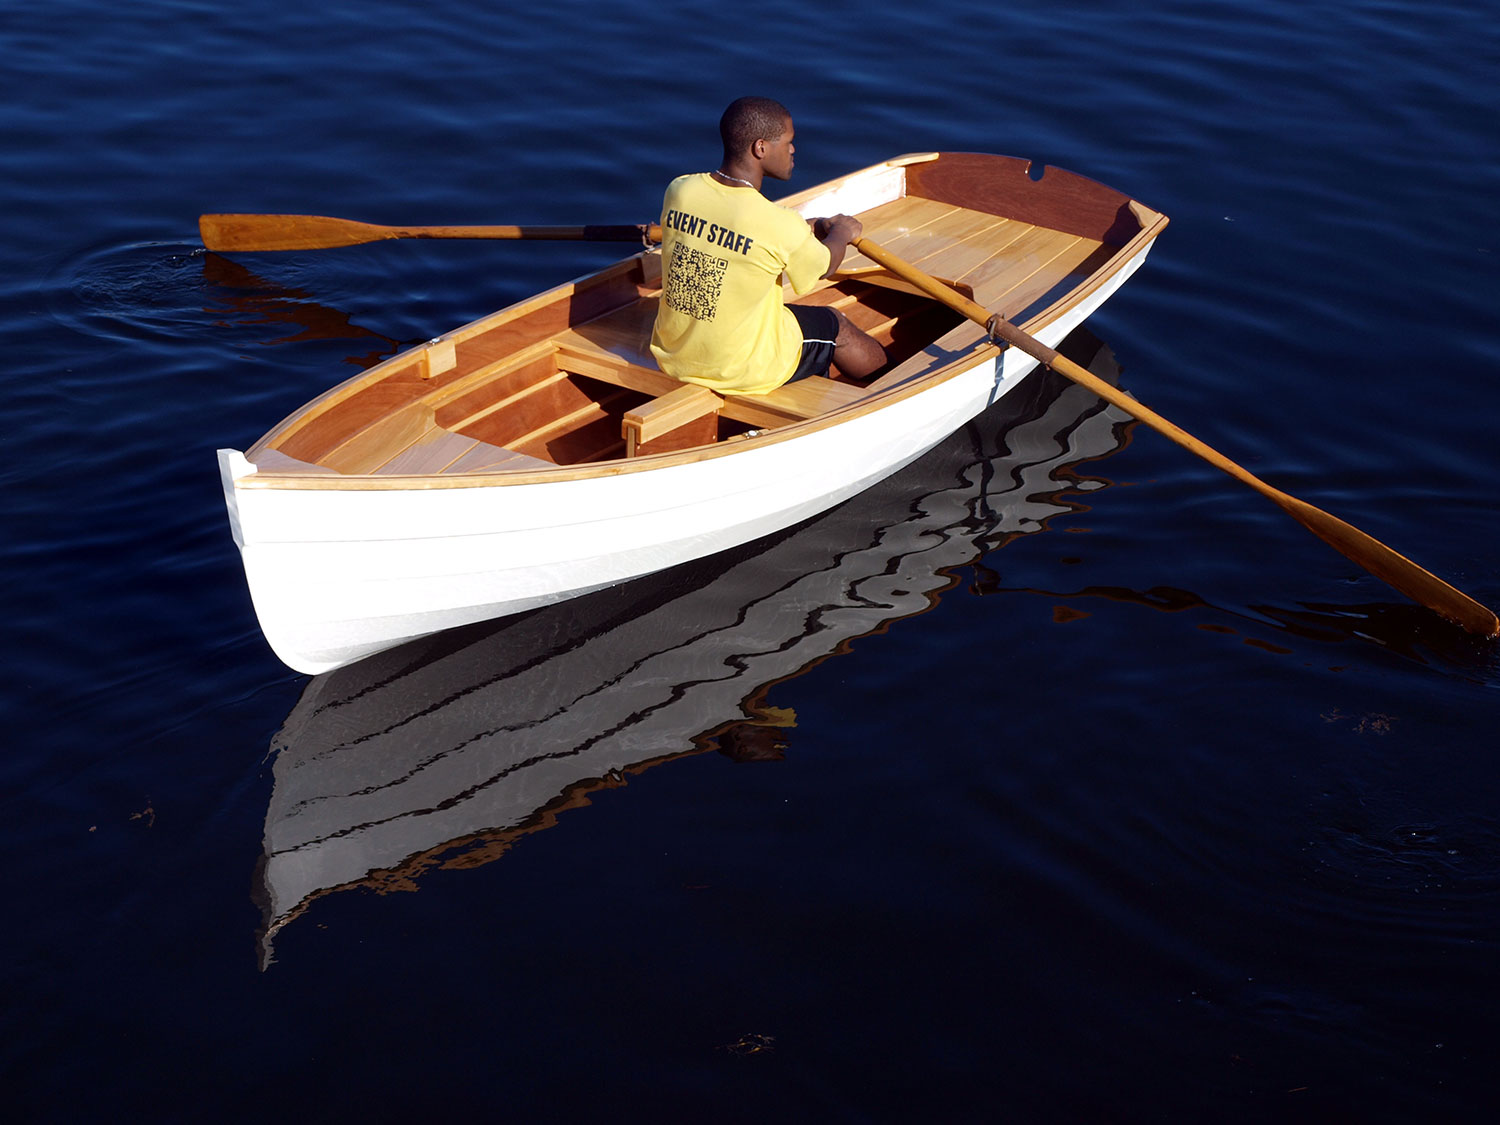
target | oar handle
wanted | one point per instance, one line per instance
(1379, 559)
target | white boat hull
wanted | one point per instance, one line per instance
(339, 574)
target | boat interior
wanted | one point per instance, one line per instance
(568, 379)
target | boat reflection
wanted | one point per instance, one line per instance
(445, 751)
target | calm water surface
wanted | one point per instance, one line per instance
(1059, 779)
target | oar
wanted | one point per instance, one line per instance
(1386, 564)
(228, 233)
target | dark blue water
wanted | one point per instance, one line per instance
(1061, 779)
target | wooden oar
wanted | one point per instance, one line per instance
(228, 233)
(1386, 564)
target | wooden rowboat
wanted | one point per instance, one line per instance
(539, 453)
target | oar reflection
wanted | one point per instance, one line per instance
(250, 299)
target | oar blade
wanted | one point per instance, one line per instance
(1392, 567)
(238, 233)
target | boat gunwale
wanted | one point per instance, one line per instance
(1151, 222)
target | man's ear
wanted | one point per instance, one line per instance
(758, 148)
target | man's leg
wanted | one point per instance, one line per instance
(856, 354)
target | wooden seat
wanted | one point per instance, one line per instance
(680, 419)
(792, 402)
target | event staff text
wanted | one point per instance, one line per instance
(715, 234)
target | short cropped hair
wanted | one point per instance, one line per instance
(748, 120)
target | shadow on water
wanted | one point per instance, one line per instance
(444, 752)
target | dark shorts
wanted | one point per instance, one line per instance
(820, 328)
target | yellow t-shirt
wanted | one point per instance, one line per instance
(722, 323)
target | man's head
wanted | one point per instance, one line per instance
(760, 130)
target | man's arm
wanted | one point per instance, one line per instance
(836, 233)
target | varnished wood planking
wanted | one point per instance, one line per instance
(472, 392)
(558, 420)
(528, 411)
(485, 389)
(375, 444)
(967, 237)
(1059, 200)
(954, 262)
(623, 332)
(330, 428)
(486, 458)
(1031, 265)
(1069, 267)
(574, 438)
(945, 227)
(433, 452)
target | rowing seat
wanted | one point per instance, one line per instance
(792, 402)
(689, 403)
(684, 417)
(615, 348)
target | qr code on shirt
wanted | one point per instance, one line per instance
(694, 280)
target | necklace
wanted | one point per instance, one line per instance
(736, 179)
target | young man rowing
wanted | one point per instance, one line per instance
(722, 322)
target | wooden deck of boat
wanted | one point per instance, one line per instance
(1008, 265)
